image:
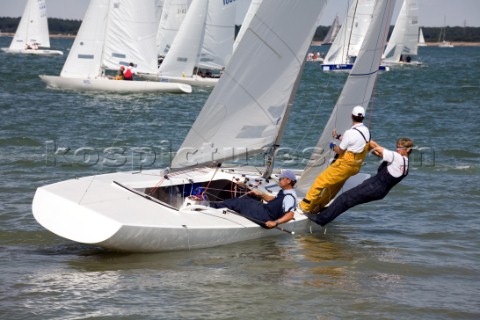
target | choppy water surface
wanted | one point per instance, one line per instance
(413, 255)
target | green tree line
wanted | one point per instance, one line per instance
(55, 26)
(431, 34)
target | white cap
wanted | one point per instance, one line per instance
(358, 111)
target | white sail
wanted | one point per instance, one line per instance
(131, 35)
(85, 57)
(352, 33)
(252, 9)
(205, 39)
(183, 54)
(404, 38)
(338, 52)
(421, 38)
(332, 31)
(357, 90)
(244, 113)
(174, 11)
(217, 44)
(132, 29)
(33, 27)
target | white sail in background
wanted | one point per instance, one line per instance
(183, 54)
(217, 44)
(131, 35)
(352, 33)
(357, 90)
(85, 57)
(205, 39)
(174, 11)
(421, 38)
(404, 38)
(252, 9)
(332, 31)
(244, 113)
(31, 36)
(114, 33)
(33, 27)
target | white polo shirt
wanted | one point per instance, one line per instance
(397, 164)
(353, 141)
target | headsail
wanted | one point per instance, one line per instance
(357, 90)
(404, 38)
(245, 111)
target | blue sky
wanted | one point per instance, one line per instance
(432, 12)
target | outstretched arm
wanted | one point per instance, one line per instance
(376, 148)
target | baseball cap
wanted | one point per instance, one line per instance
(358, 111)
(288, 174)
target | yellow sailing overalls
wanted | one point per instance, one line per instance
(331, 180)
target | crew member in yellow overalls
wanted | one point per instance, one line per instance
(351, 151)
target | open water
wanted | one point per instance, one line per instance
(414, 255)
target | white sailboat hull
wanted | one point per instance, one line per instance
(97, 211)
(195, 81)
(41, 52)
(104, 84)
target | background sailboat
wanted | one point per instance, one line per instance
(344, 49)
(204, 40)
(113, 33)
(442, 43)
(246, 113)
(421, 38)
(403, 43)
(32, 32)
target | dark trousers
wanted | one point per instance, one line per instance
(249, 207)
(374, 188)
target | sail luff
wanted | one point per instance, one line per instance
(243, 114)
(252, 9)
(357, 91)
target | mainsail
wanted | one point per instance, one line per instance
(357, 91)
(173, 14)
(244, 113)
